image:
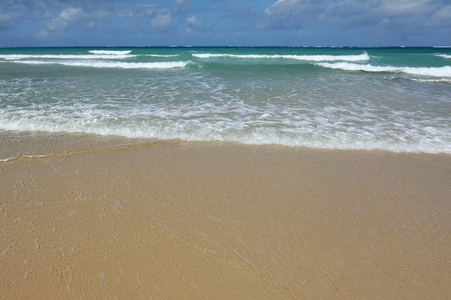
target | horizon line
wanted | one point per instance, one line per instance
(223, 46)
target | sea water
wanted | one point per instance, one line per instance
(395, 99)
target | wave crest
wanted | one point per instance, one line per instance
(444, 55)
(421, 71)
(110, 52)
(111, 64)
(316, 58)
(63, 56)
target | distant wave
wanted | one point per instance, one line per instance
(316, 58)
(110, 52)
(431, 71)
(444, 55)
(63, 56)
(162, 55)
(100, 54)
(110, 64)
(441, 80)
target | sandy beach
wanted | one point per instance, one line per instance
(180, 220)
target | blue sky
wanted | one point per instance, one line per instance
(225, 22)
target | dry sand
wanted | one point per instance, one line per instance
(177, 220)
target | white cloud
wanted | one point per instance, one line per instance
(443, 14)
(73, 15)
(67, 16)
(43, 33)
(281, 7)
(193, 21)
(4, 17)
(197, 25)
(160, 17)
(348, 14)
(294, 13)
(179, 2)
(406, 6)
(161, 21)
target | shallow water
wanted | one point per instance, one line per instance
(394, 99)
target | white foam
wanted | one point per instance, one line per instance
(8, 159)
(352, 126)
(311, 110)
(162, 55)
(110, 64)
(62, 56)
(316, 58)
(110, 52)
(440, 80)
(444, 55)
(431, 71)
(263, 136)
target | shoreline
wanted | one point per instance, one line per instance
(29, 144)
(175, 219)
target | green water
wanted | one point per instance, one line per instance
(395, 99)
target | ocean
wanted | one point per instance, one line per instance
(395, 99)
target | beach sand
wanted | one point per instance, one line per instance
(185, 220)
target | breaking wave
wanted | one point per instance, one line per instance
(316, 58)
(110, 52)
(162, 55)
(110, 64)
(9, 57)
(431, 71)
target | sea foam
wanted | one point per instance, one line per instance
(319, 138)
(349, 125)
(110, 52)
(63, 56)
(162, 55)
(431, 71)
(109, 64)
(311, 107)
(316, 58)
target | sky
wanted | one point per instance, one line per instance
(34, 23)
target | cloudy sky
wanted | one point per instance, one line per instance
(225, 22)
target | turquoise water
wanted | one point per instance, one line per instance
(395, 99)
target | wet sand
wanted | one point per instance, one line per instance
(178, 220)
